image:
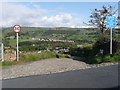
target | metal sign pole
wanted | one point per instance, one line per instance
(17, 48)
(111, 41)
(111, 23)
(2, 52)
(17, 29)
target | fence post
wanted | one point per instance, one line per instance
(2, 52)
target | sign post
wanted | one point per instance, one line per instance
(2, 52)
(17, 54)
(111, 41)
(17, 29)
(111, 23)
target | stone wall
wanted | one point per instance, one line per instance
(10, 55)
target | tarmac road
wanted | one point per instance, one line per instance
(102, 77)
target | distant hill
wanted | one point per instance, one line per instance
(84, 35)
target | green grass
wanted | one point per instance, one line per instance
(84, 35)
(0, 63)
(8, 63)
(34, 56)
(104, 59)
(112, 58)
(12, 42)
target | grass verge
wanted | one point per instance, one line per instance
(34, 56)
(104, 59)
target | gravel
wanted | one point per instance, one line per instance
(47, 66)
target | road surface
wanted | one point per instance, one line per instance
(102, 77)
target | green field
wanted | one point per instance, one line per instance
(83, 43)
(0, 34)
(81, 35)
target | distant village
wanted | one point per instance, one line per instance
(51, 40)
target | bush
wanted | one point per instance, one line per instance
(92, 54)
(103, 59)
(81, 51)
(96, 59)
(104, 43)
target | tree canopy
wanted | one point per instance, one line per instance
(98, 17)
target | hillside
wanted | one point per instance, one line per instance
(71, 41)
(75, 34)
(83, 35)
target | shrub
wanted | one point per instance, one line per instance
(93, 56)
(105, 58)
(81, 51)
(104, 43)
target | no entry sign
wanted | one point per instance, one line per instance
(17, 28)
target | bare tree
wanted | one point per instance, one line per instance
(98, 17)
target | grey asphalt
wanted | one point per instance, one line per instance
(102, 77)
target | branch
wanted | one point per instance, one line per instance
(90, 24)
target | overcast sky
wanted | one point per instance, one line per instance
(49, 14)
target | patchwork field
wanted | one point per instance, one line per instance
(72, 41)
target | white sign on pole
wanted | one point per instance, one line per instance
(110, 23)
(17, 29)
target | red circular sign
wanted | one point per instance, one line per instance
(17, 28)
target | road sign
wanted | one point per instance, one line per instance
(16, 28)
(110, 21)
